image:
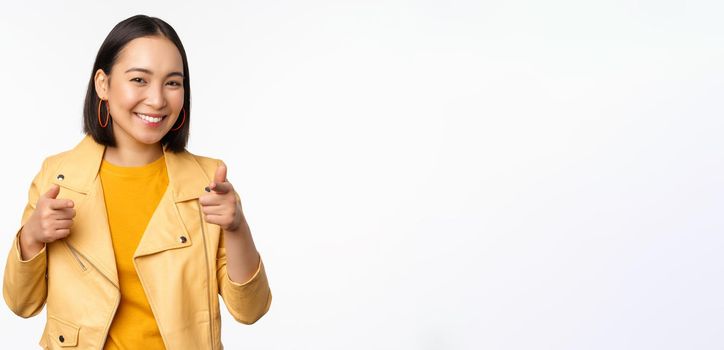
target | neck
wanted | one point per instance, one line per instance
(135, 154)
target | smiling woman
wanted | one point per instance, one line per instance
(147, 98)
(140, 60)
(128, 238)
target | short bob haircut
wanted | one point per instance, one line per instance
(134, 27)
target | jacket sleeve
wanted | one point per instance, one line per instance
(25, 285)
(249, 301)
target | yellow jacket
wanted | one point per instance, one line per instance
(180, 260)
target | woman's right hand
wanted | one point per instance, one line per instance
(50, 221)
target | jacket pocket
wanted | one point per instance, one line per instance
(62, 333)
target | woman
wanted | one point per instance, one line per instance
(129, 238)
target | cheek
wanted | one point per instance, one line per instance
(124, 98)
(176, 99)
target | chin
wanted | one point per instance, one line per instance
(149, 139)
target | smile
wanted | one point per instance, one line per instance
(149, 119)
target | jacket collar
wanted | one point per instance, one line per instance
(186, 178)
(91, 236)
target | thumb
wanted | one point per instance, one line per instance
(220, 175)
(52, 192)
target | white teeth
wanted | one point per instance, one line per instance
(149, 119)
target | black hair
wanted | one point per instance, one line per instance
(132, 28)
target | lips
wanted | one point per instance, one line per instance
(150, 118)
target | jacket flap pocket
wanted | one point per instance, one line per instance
(62, 333)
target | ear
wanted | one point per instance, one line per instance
(101, 81)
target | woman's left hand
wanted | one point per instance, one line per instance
(220, 206)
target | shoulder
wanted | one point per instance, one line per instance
(207, 164)
(205, 161)
(54, 162)
(85, 152)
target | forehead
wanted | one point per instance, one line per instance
(156, 53)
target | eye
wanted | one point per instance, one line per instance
(174, 83)
(138, 80)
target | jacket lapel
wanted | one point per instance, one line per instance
(90, 234)
(172, 221)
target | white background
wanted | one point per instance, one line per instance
(430, 174)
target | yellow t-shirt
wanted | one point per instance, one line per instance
(131, 196)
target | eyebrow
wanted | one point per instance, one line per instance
(147, 71)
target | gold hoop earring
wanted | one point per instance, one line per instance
(182, 121)
(108, 114)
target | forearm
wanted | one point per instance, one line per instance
(24, 283)
(241, 254)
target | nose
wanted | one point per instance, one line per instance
(155, 98)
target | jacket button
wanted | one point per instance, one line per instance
(182, 239)
(61, 339)
(60, 177)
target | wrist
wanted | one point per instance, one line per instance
(27, 240)
(27, 245)
(238, 230)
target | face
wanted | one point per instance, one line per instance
(146, 93)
